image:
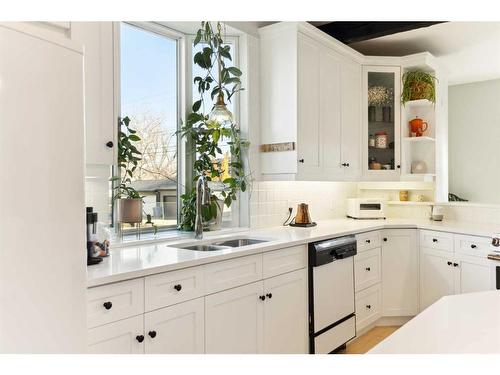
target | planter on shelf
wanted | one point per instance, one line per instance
(418, 85)
(129, 210)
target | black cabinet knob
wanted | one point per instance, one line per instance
(107, 305)
(301, 160)
(368, 268)
(110, 144)
(368, 307)
(473, 246)
(385, 239)
(178, 287)
(262, 298)
(269, 295)
(398, 166)
(449, 263)
(152, 334)
(434, 240)
(139, 338)
(345, 164)
(455, 264)
(367, 241)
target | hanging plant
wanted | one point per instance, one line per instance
(417, 85)
(205, 133)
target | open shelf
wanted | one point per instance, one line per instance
(396, 185)
(418, 103)
(410, 203)
(419, 139)
(426, 177)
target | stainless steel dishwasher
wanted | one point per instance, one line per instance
(332, 320)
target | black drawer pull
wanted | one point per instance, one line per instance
(434, 240)
(262, 298)
(178, 287)
(109, 144)
(301, 160)
(449, 263)
(368, 268)
(107, 305)
(139, 338)
(368, 307)
(455, 264)
(368, 241)
(152, 334)
(473, 246)
(269, 295)
(385, 239)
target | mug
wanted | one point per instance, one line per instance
(418, 126)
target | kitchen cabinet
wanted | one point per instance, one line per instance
(285, 314)
(472, 275)
(311, 96)
(234, 320)
(381, 122)
(100, 122)
(122, 337)
(399, 272)
(178, 329)
(436, 276)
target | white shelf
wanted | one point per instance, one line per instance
(419, 139)
(426, 177)
(418, 103)
(396, 185)
(410, 203)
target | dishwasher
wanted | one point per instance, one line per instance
(332, 319)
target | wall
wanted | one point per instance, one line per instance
(474, 139)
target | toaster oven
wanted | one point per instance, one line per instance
(366, 208)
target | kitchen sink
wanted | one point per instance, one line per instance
(238, 242)
(221, 245)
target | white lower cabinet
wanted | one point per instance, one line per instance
(436, 276)
(399, 272)
(285, 314)
(368, 306)
(473, 275)
(178, 329)
(121, 337)
(234, 320)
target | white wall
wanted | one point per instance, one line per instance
(474, 141)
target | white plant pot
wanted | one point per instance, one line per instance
(129, 210)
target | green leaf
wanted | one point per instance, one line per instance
(234, 71)
(196, 105)
(134, 137)
(198, 37)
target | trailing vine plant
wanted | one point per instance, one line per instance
(204, 136)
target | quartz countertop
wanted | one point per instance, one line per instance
(139, 260)
(458, 324)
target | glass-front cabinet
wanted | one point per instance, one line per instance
(381, 119)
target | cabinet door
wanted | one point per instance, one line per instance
(472, 275)
(286, 313)
(177, 329)
(234, 320)
(121, 337)
(329, 111)
(400, 272)
(100, 124)
(436, 276)
(350, 73)
(308, 99)
(381, 119)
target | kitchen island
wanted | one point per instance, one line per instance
(459, 324)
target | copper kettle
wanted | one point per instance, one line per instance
(302, 216)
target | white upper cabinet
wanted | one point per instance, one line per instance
(100, 122)
(311, 97)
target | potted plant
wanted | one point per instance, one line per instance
(418, 84)
(204, 133)
(128, 200)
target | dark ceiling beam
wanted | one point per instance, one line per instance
(351, 32)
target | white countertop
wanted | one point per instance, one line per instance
(458, 324)
(139, 260)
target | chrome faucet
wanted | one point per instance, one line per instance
(202, 197)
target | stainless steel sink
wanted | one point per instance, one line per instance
(238, 242)
(206, 247)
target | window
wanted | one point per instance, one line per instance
(149, 96)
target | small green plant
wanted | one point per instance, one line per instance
(128, 158)
(205, 136)
(417, 85)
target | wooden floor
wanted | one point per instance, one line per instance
(365, 342)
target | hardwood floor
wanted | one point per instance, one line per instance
(365, 342)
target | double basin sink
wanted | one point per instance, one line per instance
(222, 244)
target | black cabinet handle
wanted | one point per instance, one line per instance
(367, 241)
(368, 307)
(345, 164)
(109, 144)
(152, 334)
(455, 264)
(178, 287)
(107, 305)
(301, 160)
(368, 268)
(434, 240)
(139, 338)
(385, 239)
(449, 263)
(262, 298)
(398, 166)
(473, 246)
(269, 295)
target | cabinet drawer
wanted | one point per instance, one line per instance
(173, 287)
(436, 240)
(232, 273)
(367, 241)
(120, 337)
(334, 337)
(473, 245)
(112, 302)
(368, 306)
(367, 269)
(284, 260)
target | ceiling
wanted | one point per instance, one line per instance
(469, 50)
